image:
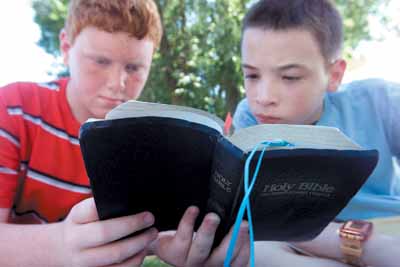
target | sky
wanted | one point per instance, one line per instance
(380, 58)
(21, 59)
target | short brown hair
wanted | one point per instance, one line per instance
(139, 18)
(320, 17)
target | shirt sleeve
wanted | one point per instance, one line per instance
(390, 114)
(9, 149)
(243, 117)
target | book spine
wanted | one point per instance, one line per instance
(225, 184)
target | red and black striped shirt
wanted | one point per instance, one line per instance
(41, 166)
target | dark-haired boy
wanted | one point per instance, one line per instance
(292, 64)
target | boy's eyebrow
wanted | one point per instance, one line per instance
(291, 66)
(279, 68)
(136, 64)
(129, 61)
(247, 66)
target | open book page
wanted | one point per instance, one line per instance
(302, 136)
(144, 109)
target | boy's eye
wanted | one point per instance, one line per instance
(102, 61)
(131, 68)
(251, 76)
(291, 78)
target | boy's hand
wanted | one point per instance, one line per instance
(184, 248)
(90, 242)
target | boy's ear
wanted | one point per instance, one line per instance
(336, 73)
(65, 45)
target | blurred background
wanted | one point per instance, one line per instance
(198, 63)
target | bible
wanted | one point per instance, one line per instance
(164, 158)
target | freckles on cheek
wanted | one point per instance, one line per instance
(138, 79)
(93, 71)
(297, 102)
(251, 97)
(135, 88)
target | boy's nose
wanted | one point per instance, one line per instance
(122, 80)
(118, 80)
(267, 95)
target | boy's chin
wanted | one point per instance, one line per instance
(99, 114)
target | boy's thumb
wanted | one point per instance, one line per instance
(84, 212)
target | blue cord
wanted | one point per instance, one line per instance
(245, 205)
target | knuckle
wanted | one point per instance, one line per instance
(102, 233)
(138, 260)
(137, 223)
(116, 255)
(70, 240)
(133, 225)
(146, 237)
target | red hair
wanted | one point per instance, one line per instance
(138, 18)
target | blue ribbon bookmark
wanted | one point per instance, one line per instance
(245, 204)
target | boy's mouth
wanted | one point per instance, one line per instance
(267, 119)
(111, 101)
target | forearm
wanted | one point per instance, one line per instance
(382, 250)
(30, 245)
(379, 250)
(326, 245)
(279, 254)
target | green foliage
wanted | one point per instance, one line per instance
(50, 16)
(198, 63)
(355, 19)
(153, 261)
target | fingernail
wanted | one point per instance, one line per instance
(214, 217)
(193, 210)
(148, 218)
(244, 226)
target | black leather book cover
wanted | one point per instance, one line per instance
(164, 165)
(148, 164)
(226, 184)
(297, 191)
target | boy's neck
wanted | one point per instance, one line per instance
(77, 111)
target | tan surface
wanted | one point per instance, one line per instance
(389, 225)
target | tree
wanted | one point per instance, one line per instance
(50, 16)
(356, 22)
(199, 55)
(198, 63)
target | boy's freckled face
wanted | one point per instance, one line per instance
(285, 75)
(106, 69)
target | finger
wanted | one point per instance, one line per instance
(166, 236)
(84, 212)
(103, 232)
(242, 253)
(184, 234)
(175, 248)
(242, 239)
(136, 260)
(243, 257)
(120, 251)
(218, 256)
(185, 229)
(202, 243)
